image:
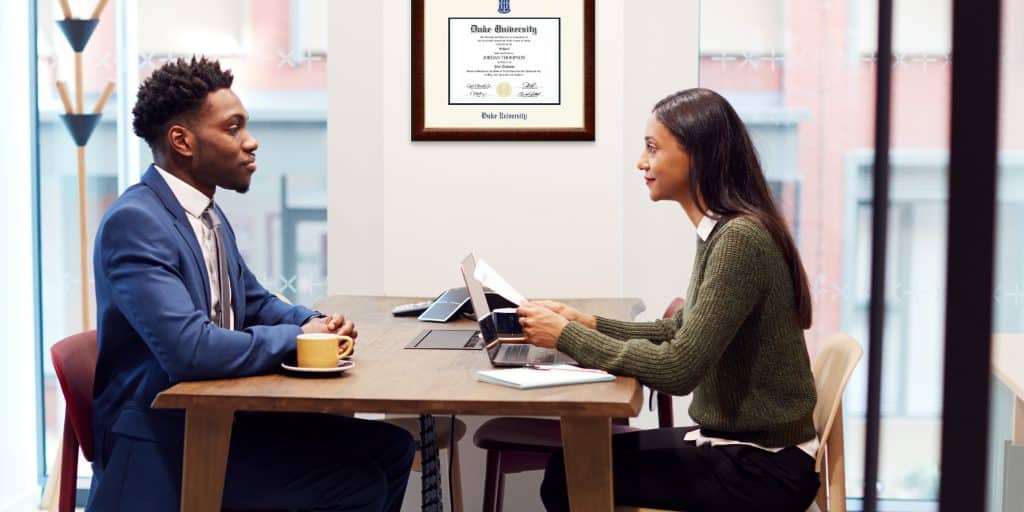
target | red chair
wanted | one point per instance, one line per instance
(515, 445)
(74, 360)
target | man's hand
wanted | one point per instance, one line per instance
(568, 312)
(337, 324)
(541, 325)
(315, 326)
(333, 324)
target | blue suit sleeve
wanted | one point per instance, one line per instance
(138, 257)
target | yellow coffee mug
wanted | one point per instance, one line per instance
(320, 350)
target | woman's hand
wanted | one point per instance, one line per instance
(541, 325)
(569, 313)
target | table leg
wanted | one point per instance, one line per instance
(588, 462)
(207, 439)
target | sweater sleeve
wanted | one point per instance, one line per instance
(732, 285)
(657, 331)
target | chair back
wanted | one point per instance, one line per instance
(676, 304)
(666, 417)
(832, 369)
(74, 360)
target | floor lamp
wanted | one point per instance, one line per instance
(80, 125)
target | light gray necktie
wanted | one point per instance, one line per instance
(220, 310)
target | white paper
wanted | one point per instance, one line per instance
(490, 278)
(525, 378)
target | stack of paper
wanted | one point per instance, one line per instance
(555, 375)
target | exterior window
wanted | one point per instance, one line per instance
(281, 223)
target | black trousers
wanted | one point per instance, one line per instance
(657, 468)
(316, 462)
(306, 462)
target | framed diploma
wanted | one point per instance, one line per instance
(503, 69)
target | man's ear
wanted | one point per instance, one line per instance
(181, 140)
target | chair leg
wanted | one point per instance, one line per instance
(416, 466)
(665, 415)
(822, 498)
(836, 467)
(69, 468)
(494, 483)
(456, 479)
(51, 493)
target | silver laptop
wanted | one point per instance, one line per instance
(498, 350)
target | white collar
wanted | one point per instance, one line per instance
(705, 226)
(192, 200)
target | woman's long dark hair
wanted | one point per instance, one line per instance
(725, 174)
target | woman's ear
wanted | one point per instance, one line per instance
(181, 140)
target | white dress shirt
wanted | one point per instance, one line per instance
(195, 202)
(810, 447)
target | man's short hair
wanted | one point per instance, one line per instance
(176, 89)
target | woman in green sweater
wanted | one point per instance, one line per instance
(737, 345)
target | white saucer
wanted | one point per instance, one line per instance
(342, 366)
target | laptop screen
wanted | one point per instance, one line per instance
(476, 290)
(488, 329)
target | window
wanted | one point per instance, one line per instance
(818, 101)
(281, 223)
(811, 85)
(224, 28)
(921, 28)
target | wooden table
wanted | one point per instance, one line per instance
(388, 378)
(1008, 366)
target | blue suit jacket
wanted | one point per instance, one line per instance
(153, 303)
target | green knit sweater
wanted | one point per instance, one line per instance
(737, 344)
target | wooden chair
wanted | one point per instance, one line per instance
(832, 369)
(74, 360)
(515, 445)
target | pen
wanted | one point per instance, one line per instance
(565, 369)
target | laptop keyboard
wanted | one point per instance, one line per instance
(515, 352)
(543, 356)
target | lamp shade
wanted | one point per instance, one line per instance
(78, 32)
(80, 126)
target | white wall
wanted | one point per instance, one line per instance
(558, 219)
(18, 486)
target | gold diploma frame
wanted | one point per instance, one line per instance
(502, 69)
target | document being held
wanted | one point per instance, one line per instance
(490, 278)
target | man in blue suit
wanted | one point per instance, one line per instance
(177, 302)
